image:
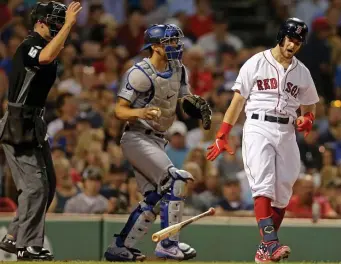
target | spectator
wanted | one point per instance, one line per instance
(232, 203)
(193, 205)
(329, 171)
(65, 189)
(135, 195)
(116, 187)
(222, 96)
(57, 152)
(320, 64)
(83, 123)
(112, 128)
(177, 149)
(229, 64)
(198, 155)
(201, 22)
(301, 202)
(310, 152)
(95, 12)
(131, 33)
(67, 112)
(334, 118)
(72, 78)
(212, 42)
(90, 201)
(307, 10)
(89, 151)
(6, 63)
(200, 78)
(333, 191)
(110, 75)
(153, 13)
(321, 119)
(230, 165)
(211, 195)
(198, 137)
(175, 6)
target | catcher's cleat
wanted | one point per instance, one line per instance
(123, 254)
(8, 245)
(271, 252)
(176, 251)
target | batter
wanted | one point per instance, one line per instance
(272, 85)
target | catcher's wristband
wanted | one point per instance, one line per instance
(224, 130)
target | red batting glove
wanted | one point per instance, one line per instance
(307, 123)
(220, 143)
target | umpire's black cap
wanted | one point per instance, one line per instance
(51, 13)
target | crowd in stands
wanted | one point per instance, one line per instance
(93, 175)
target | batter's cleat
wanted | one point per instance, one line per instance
(271, 252)
(34, 254)
(123, 254)
(176, 250)
(8, 245)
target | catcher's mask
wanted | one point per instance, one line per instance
(294, 28)
(169, 36)
(52, 14)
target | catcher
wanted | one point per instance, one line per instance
(148, 100)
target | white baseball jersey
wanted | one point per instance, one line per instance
(270, 153)
(269, 88)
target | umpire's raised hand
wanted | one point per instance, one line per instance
(71, 13)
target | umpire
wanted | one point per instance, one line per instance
(23, 130)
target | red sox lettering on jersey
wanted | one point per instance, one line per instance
(272, 89)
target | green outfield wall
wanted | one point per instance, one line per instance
(216, 238)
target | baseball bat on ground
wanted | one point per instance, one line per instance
(172, 230)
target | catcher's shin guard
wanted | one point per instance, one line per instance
(172, 203)
(139, 222)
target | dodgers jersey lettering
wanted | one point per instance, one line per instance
(269, 88)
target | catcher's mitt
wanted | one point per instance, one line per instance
(197, 107)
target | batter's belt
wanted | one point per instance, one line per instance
(274, 119)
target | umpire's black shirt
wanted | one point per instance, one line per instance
(27, 71)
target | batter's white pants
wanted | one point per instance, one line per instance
(271, 159)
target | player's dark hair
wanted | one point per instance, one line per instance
(95, 7)
(61, 100)
(132, 9)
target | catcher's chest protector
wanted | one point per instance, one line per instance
(165, 97)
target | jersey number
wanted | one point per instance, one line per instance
(292, 89)
(33, 52)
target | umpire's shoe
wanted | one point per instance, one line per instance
(7, 244)
(34, 253)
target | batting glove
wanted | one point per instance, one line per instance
(220, 143)
(307, 123)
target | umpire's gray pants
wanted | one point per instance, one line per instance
(34, 177)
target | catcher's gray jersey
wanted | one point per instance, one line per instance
(144, 150)
(145, 87)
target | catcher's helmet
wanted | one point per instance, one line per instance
(166, 35)
(294, 28)
(51, 13)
